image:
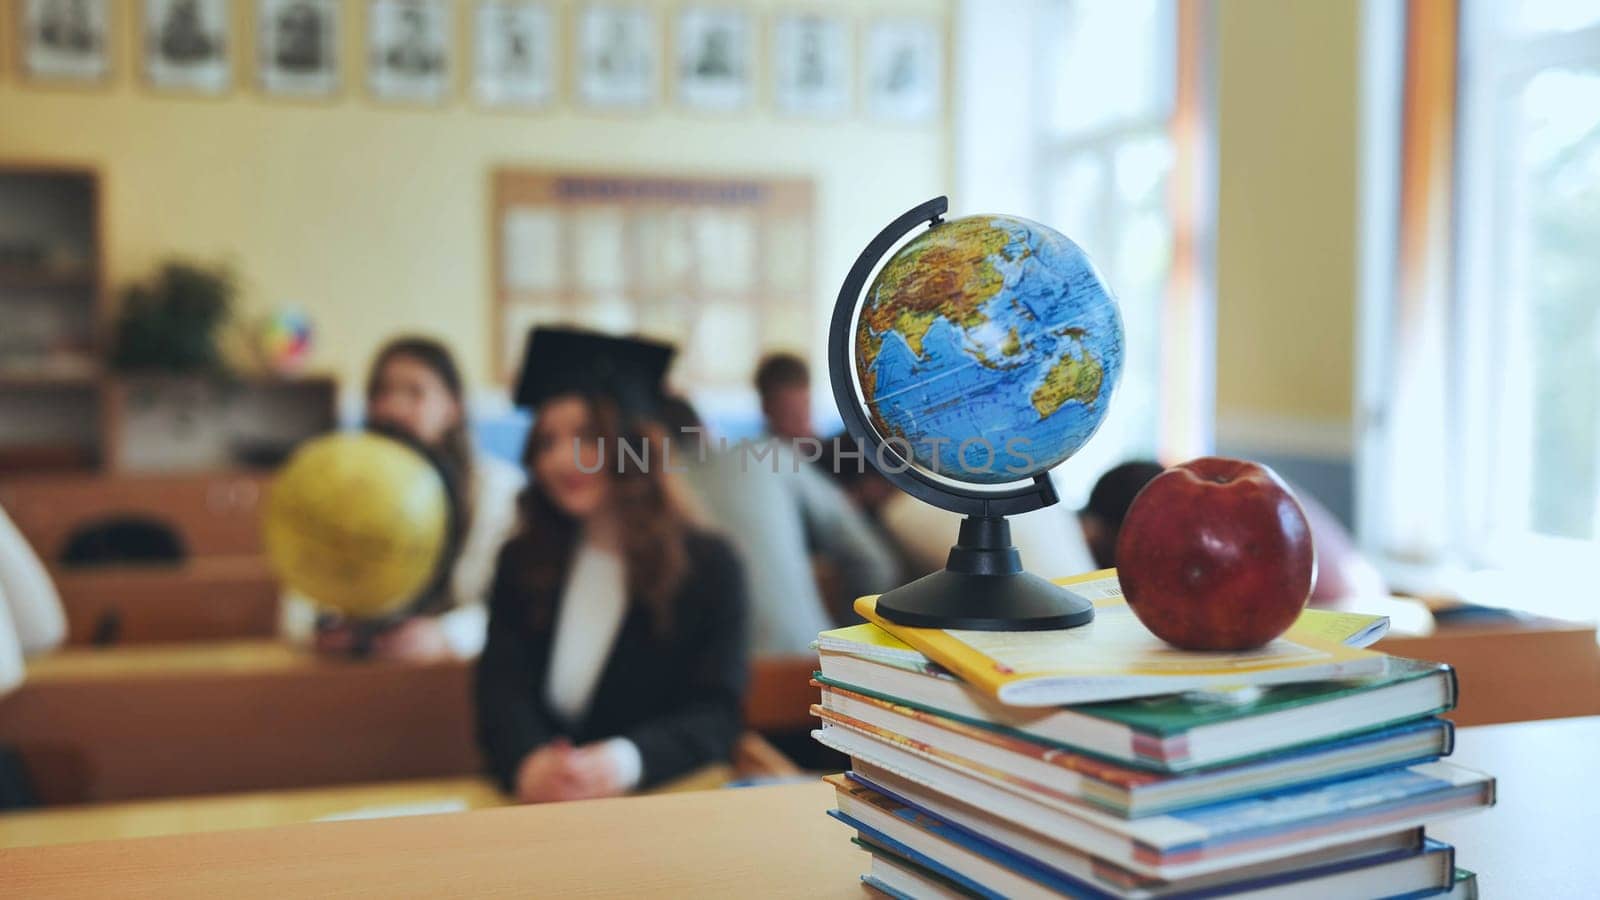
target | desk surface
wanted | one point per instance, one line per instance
(1539, 840)
(770, 841)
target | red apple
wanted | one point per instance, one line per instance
(1216, 554)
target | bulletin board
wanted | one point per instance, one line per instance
(720, 266)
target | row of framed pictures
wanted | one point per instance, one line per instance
(617, 53)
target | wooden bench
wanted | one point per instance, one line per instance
(206, 599)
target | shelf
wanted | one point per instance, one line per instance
(36, 458)
(77, 370)
(30, 278)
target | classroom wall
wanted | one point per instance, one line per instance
(375, 218)
(1286, 237)
(1286, 136)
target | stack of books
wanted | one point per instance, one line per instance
(1100, 762)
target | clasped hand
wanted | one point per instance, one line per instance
(560, 771)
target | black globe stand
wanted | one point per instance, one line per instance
(982, 586)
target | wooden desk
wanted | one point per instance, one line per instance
(168, 720)
(228, 812)
(1514, 673)
(772, 842)
(213, 598)
(265, 809)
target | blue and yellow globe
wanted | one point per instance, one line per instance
(988, 348)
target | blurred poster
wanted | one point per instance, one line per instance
(905, 70)
(598, 252)
(65, 40)
(726, 242)
(811, 68)
(721, 265)
(714, 64)
(186, 45)
(531, 252)
(514, 56)
(408, 46)
(297, 47)
(618, 56)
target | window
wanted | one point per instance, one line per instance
(1528, 272)
(1096, 121)
(1105, 163)
(1480, 462)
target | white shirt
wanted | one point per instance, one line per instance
(593, 604)
(31, 619)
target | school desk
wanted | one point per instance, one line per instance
(209, 598)
(262, 809)
(168, 720)
(770, 842)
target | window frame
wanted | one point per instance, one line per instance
(1185, 386)
(1494, 65)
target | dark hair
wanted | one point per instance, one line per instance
(781, 370)
(677, 414)
(455, 448)
(656, 523)
(1114, 492)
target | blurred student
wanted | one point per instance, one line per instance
(616, 657)
(781, 515)
(1109, 499)
(415, 387)
(784, 385)
(31, 620)
(1342, 570)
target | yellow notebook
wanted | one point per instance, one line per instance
(1115, 657)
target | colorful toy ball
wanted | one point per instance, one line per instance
(286, 340)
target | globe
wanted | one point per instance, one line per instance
(987, 349)
(357, 522)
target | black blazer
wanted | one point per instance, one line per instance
(679, 699)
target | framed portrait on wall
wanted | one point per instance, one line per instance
(64, 40)
(714, 59)
(904, 70)
(618, 56)
(408, 50)
(812, 71)
(514, 53)
(186, 45)
(297, 47)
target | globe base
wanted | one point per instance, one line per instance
(983, 588)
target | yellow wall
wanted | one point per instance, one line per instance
(1286, 218)
(375, 218)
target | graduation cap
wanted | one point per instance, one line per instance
(572, 361)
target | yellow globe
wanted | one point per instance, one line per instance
(357, 522)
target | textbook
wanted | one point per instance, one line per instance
(1466, 886)
(942, 855)
(1175, 733)
(1192, 842)
(1075, 778)
(904, 874)
(1115, 657)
